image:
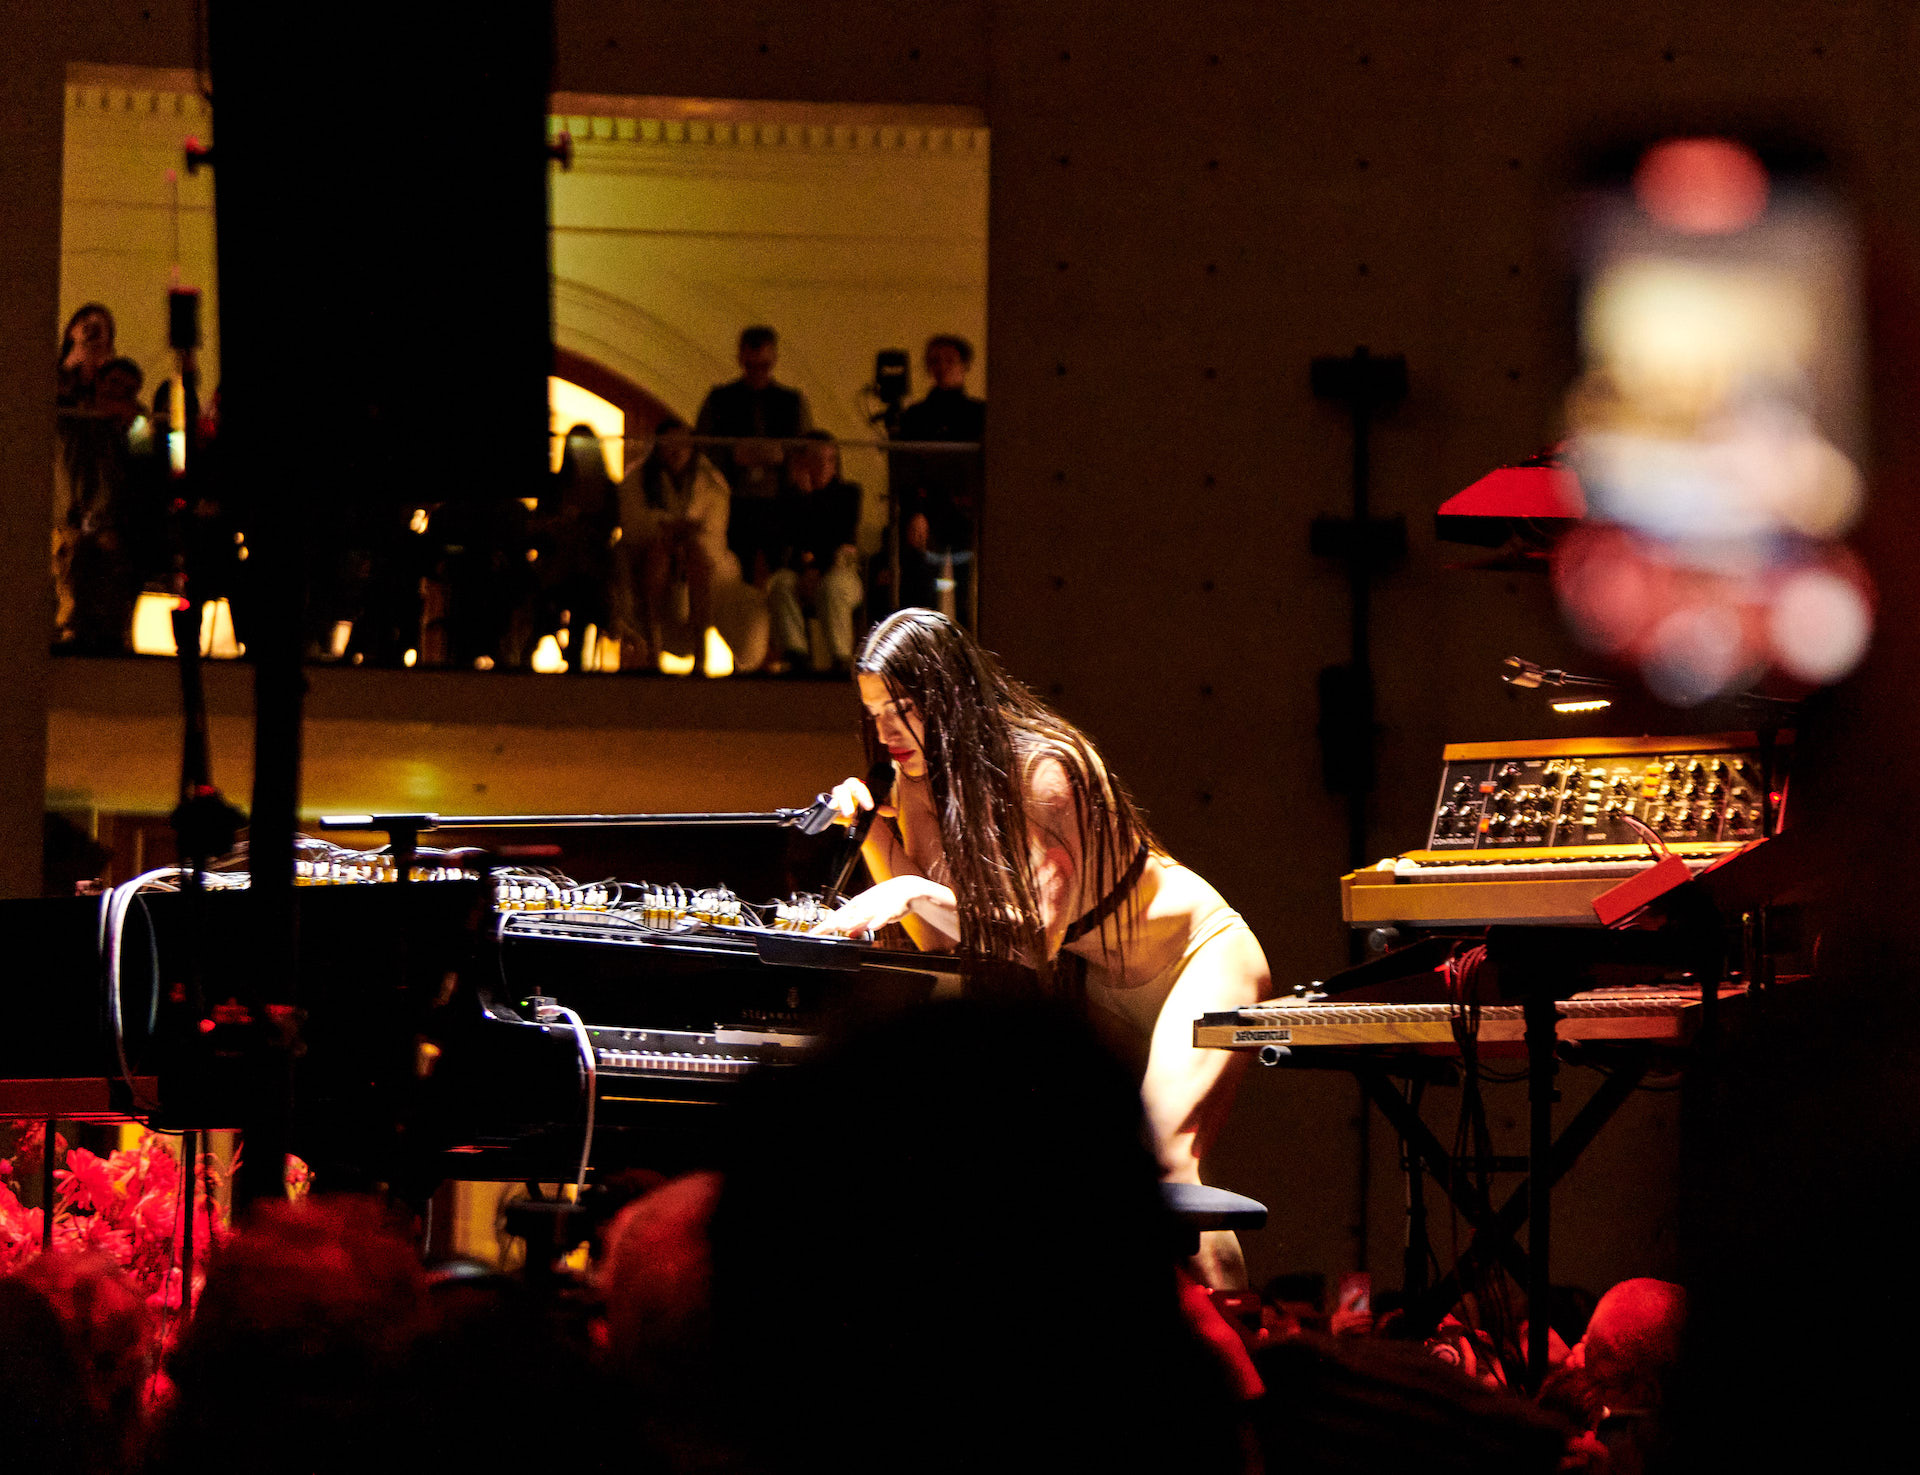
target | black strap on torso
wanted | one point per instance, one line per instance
(1110, 903)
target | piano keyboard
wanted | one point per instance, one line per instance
(1471, 889)
(1611, 866)
(655, 1059)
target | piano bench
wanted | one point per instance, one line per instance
(1197, 1207)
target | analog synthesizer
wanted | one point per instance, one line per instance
(1534, 831)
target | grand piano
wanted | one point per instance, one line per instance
(473, 1013)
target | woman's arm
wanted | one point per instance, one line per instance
(925, 908)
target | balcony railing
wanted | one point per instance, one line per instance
(619, 562)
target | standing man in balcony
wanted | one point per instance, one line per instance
(937, 493)
(764, 414)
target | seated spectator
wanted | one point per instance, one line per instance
(111, 1331)
(763, 413)
(673, 538)
(300, 1357)
(492, 1336)
(45, 1409)
(1630, 1354)
(821, 572)
(656, 1281)
(936, 494)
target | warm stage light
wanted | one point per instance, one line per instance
(718, 656)
(1702, 186)
(153, 627)
(1819, 624)
(569, 405)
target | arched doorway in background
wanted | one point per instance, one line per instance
(643, 409)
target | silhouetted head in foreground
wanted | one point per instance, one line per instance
(110, 1329)
(941, 1246)
(1632, 1344)
(300, 1350)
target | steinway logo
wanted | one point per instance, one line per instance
(1263, 1037)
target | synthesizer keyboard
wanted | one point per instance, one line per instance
(1536, 831)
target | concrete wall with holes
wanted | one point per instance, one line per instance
(1187, 204)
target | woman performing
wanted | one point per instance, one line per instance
(1006, 834)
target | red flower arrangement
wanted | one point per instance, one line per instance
(126, 1204)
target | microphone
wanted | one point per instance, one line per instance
(879, 780)
(818, 817)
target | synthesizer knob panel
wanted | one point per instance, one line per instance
(1550, 795)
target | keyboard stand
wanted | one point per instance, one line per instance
(1495, 1231)
(1537, 966)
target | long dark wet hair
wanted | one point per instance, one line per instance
(984, 732)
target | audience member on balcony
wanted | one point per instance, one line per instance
(937, 493)
(673, 525)
(764, 413)
(573, 537)
(821, 573)
(102, 451)
(86, 452)
(85, 349)
(146, 491)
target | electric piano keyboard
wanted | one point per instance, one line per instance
(1656, 1015)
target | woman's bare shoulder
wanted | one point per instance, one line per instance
(1049, 780)
(1057, 772)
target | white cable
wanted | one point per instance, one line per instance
(114, 918)
(588, 1065)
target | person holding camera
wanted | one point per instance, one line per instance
(937, 493)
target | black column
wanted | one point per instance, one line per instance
(380, 188)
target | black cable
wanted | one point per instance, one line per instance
(1473, 1142)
